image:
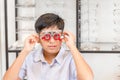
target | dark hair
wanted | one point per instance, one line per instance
(47, 20)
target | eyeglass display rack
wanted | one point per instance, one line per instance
(92, 37)
(21, 20)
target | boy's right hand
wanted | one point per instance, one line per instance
(30, 42)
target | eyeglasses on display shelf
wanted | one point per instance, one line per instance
(98, 26)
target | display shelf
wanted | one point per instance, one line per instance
(25, 18)
(25, 6)
(100, 46)
(16, 50)
(25, 30)
(102, 52)
(16, 47)
(97, 26)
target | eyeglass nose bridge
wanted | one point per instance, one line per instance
(52, 34)
(55, 36)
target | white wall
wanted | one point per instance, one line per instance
(105, 66)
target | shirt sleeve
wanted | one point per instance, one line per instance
(22, 72)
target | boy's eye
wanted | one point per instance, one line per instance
(57, 36)
(46, 37)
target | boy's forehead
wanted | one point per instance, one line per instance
(53, 27)
(47, 31)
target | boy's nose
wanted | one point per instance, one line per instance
(52, 39)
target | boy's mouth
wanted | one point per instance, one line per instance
(52, 46)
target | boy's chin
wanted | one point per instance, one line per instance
(53, 52)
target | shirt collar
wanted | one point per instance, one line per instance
(38, 55)
(61, 55)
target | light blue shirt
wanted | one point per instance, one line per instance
(35, 67)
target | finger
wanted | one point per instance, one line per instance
(32, 39)
(65, 39)
(35, 37)
(69, 35)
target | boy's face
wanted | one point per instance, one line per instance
(50, 40)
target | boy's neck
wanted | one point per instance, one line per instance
(49, 57)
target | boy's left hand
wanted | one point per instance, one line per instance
(69, 38)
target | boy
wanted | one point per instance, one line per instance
(52, 61)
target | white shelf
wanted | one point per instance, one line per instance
(24, 6)
(18, 45)
(25, 18)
